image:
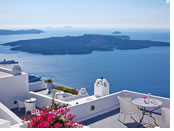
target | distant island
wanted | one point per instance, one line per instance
(19, 32)
(67, 27)
(116, 32)
(83, 44)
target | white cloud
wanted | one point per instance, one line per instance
(167, 1)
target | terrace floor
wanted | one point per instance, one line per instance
(44, 92)
(110, 120)
(20, 114)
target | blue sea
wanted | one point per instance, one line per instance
(145, 70)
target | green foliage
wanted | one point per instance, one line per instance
(68, 90)
(55, 106)
(48, 81)
(65, 89)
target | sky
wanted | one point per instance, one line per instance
(85, 13)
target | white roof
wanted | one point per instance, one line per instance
(5, 74)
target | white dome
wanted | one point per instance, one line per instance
(17, 70)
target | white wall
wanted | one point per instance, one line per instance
(43, 100)
(102, 105)
(36, 86)
(6, 114)
(13, 87)
(108, 103)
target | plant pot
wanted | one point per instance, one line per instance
(50, 85)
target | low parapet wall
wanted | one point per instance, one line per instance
(108, 103)
(36, 86)
(96, 107)
(7, 114)
(6, 70)
(13, 87)
(99, 106)
(43, 100)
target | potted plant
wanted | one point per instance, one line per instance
(50, 85)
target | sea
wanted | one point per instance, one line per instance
(143, 70)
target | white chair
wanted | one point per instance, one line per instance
(20, 104)
(127, 107)
(165, 118)
(29, 107)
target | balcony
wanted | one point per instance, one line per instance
(103, 112)
(110, 120)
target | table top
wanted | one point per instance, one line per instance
(31, 100)
(143, 102)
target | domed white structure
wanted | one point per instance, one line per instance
(101, 87)
(17, 70)
(83, 91)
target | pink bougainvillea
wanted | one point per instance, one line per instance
(45, 118)
(144, 97)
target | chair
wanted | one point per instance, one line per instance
(127, 107)
(165, 118)
(20, 104)
(29, 107)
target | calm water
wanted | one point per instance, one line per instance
(145, 70)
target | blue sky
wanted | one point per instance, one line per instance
(85, 13)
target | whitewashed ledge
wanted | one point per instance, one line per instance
(108, 103)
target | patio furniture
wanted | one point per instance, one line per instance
(127, 107)
(20, 104)
(141, 102)
(31, 100)
(59, 94)
(30, 105)
(165, 118)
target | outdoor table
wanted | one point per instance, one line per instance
(31, 100)
(141, 102)
(30, 105)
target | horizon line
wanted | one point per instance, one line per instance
(81, 27)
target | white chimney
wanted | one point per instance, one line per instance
(101, 87)
(17, 70)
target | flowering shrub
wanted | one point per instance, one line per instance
(144, 97)
(45, 118)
